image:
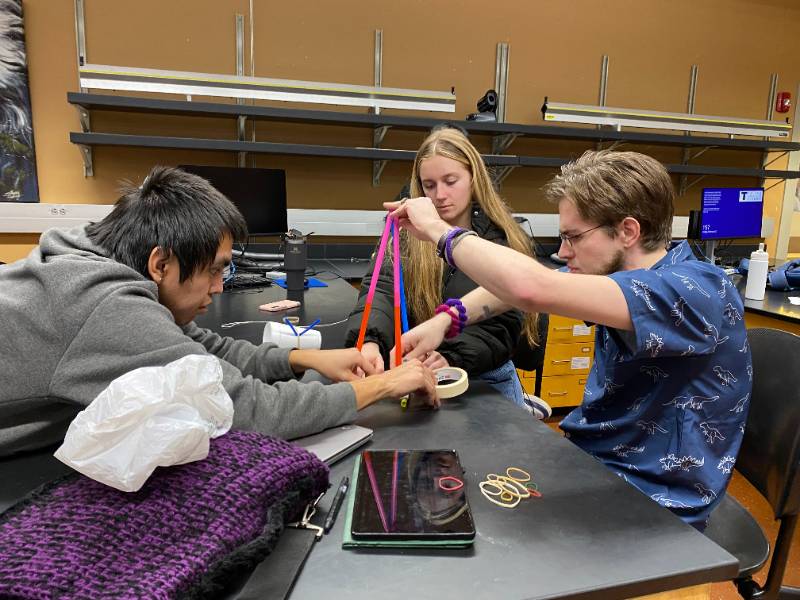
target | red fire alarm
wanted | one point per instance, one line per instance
(783, 102)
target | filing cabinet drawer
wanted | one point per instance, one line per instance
(567, 359)
(563, 329)
(563, 390)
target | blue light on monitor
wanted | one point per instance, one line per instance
(731, 213)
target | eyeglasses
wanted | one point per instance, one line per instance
(228, 272)
(571, 239)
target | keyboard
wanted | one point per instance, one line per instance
(247, 280)
(246, 264)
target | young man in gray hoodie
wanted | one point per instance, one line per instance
(92, 303)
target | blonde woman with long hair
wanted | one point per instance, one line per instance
(450, 171)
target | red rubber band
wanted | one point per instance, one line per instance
(456, 480)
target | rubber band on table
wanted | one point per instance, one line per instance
(526, 474)
(516, 483)
(490, 483)
(458, 483)
(513, 487)
(500, 480)
(533, 488)
(488, 496)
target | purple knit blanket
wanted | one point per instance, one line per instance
(183, 535)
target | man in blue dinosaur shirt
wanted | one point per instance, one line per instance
(666, 400)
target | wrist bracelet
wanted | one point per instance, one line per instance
(440, 244)
(458, 238)
(458, 320)
(447, 236)
(452, 242)
(452, 331)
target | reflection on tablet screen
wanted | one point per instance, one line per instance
(411, 494)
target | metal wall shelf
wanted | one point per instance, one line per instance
(503, 135)
(151, 141)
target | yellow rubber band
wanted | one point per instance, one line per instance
(488, 496)
(499, 489)
(507, 490)
(526, 475)
(513, 487)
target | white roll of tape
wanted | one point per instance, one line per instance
(451, 382)
(282, 335)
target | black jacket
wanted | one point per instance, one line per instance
(480, 347)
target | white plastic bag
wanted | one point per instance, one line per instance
(149, 417)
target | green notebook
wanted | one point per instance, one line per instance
(349, 542)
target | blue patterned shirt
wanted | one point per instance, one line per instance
(665, 405)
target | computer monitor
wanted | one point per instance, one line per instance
(727, 213)
(260, 194)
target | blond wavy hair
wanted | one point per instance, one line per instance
(423, 269)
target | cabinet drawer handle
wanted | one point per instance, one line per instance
(586, 349)
(557, 393)
(562, 328)
(581, 382)
(558, 362)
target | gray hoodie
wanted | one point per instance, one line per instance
(72, 320)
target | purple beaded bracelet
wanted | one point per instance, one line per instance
(458, 323)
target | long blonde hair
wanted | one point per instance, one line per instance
(423, 268)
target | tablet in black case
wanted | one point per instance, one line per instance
(411, 495)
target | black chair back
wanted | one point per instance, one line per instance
(770, 451)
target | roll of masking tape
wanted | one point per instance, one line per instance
(451, 382)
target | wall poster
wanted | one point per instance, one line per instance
(17, 161)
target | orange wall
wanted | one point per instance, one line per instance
(555, 50)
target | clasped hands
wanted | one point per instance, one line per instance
(350, 365)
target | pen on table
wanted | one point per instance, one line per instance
(336, 504)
